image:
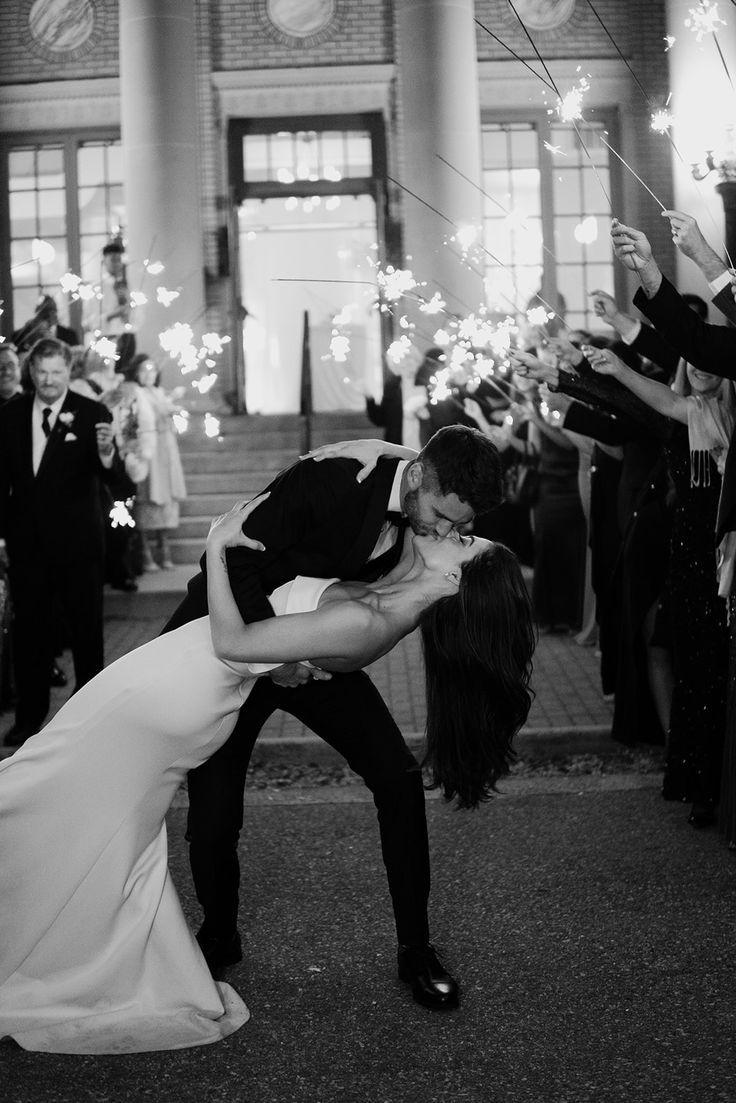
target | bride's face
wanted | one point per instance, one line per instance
(450, 553)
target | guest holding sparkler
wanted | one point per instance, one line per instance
(710, 349)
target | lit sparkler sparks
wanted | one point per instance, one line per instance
(398, 350)
(670, 40)
(662, 120)
(166, 297)
(211, 425)
(395, 282)
(435, 305)
(105, 348)
(120, 515)
(538, 316)
(570, 106)
(339, 347)
(704, 20)
(205, 383)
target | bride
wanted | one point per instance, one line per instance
(95, 952)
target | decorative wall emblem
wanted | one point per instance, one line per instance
(301, 22)
(544, 15)
(63, 30)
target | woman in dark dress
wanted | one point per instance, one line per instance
(703, 407)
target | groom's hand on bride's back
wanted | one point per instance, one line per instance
(291, 675)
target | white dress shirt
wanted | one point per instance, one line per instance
(389, 531)
(39, 437)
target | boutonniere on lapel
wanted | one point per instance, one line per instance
(67, 420)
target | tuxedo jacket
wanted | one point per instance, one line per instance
(318, 521)
(708, 347)
(55, 515)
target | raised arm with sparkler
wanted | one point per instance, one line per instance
(634, 251)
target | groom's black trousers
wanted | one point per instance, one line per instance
(348, 713)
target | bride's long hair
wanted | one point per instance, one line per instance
(478, 646)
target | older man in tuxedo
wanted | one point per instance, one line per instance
(55, 447)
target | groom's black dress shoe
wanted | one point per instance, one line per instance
(431, 984)
(219, 952)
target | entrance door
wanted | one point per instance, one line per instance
(309, 255)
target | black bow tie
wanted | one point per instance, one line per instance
(397, 519)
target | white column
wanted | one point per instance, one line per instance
(438, 85)
(703, 104)
(158, 66)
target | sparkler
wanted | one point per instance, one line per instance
(634, 174)
(662, 120)
(120, 515)
(704, 20)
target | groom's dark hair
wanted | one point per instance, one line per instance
(463, 461)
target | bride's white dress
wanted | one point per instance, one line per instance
(95, 953)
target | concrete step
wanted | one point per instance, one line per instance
(246, 441)
(188, 550)
(196, 528)
(208, 505)
(238, 484)
(202, 463)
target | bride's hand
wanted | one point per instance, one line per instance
(226, 531)
(367, 452)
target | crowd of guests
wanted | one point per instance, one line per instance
(621, 495)
(90, 485)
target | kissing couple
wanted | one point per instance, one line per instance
(300, 589)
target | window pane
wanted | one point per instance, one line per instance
(22, 169)
(52, 271)
(255, 155)
(24, 304)
(91, 163)
(21, 261)
(332, 154)
(594, 199)
(22, 214)
(567, 191)
(50, 167)
(92, 211)
(524, 149)
(91, 257)
(51, 213)
(360, 162)
(114, 162)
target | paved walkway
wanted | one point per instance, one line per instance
(568, 705)
(590, 927)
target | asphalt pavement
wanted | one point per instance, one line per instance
(590, 927)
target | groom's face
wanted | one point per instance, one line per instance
(431, 513)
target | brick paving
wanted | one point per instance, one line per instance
(566, 678)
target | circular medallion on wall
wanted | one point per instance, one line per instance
(544, 15)
(301, 22)
(62, 30)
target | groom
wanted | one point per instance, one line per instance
(320, 521)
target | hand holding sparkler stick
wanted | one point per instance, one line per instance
(566, 351)
(532, 367)
(607, 309)
(634, 251)
(605, 362)
(689, 239)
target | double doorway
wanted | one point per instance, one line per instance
(308, 237)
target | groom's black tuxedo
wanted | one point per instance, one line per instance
(53, 525)
(317, 521)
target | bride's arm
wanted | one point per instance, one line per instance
(346, 631)
(367, 452)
